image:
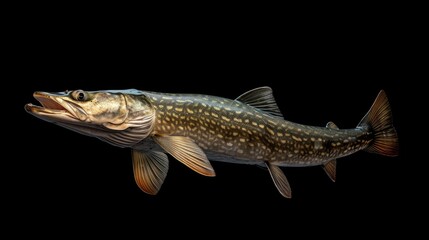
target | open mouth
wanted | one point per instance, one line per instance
(48, 105)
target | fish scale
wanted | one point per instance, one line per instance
(216, 124)
(244, 132)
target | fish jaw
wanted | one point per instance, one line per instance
(52, 108)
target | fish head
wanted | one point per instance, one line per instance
(122, 118)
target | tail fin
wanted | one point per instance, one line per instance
(379, 121)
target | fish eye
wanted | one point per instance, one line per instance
(80, 95)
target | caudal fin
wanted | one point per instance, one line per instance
(379, 121)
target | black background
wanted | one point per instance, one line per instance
(319, 72)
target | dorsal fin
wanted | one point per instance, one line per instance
(261, 98)
(331, 125)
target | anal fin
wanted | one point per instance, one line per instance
(150, 170)
(280, 180)
(331, 169)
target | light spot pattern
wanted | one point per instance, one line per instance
(246, 133)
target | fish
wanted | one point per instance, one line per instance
(197, 128)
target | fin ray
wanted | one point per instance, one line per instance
(150, 170)
(261, 98)
(185, 150)
(331, 169)
(280, 180)
(379, 121)
(332, 125)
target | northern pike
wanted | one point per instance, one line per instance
(194, 128)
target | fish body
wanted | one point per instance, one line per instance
(248, 134)
(196, 128)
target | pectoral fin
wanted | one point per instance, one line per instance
(280, 180)
(331, 169)
(150, 170)
(187, 152)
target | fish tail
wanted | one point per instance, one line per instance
(378, 120)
